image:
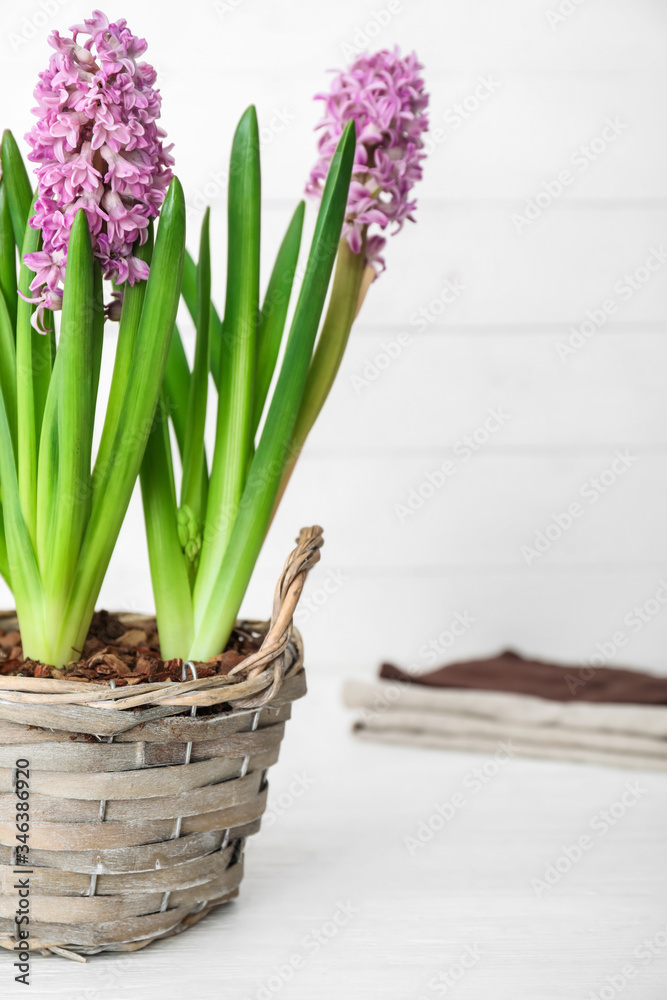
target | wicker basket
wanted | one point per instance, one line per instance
(139, 810)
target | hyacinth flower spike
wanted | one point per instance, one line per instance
(103, 177)
(384, 95)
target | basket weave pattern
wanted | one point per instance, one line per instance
(139, 810)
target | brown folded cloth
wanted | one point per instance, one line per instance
(512, 673)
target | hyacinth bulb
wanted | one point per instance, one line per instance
(98, 148)
(384, 95)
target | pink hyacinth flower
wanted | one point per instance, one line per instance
(98, 147)
(384, 95)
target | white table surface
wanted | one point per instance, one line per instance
(411, 917)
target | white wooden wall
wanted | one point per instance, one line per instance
(518, 87)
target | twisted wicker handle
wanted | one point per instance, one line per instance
(285, 599)
(287, 593)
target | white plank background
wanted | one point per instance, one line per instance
(544, 90)
(387, 586)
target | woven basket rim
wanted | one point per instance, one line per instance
(249, 685)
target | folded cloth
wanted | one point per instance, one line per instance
(440, 710)
(509, 671)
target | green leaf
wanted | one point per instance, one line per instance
(47, 477)
(238, 360)
(130, 317)
(215, 323)
(19, 191)
(194, 487)
(8, 283)
(8, 366)
(21, 562)
(189, 287)
(177, 388)
(4, 559)
(169, 572)
(274, 311)
(99, 319)
(254, 512)
(34, 359)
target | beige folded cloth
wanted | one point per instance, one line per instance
(475, 720)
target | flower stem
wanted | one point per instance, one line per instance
(331, 344)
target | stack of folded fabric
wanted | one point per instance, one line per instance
(598, 715)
